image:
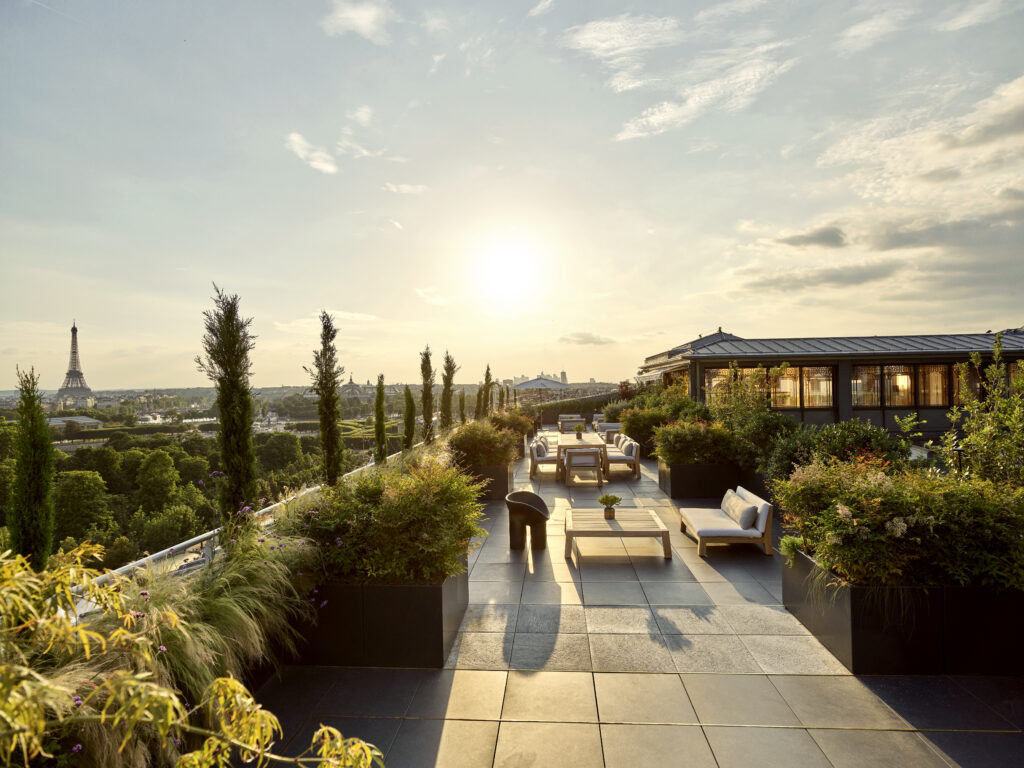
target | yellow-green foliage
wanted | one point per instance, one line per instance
(105, 690)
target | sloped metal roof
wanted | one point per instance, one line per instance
(842, 346)
(541, 384)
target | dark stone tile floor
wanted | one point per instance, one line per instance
(617, 657)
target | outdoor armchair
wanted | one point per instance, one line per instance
(584, 458)
(527, 510)
(540, 455)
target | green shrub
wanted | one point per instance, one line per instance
(856, 439)
(640, 423)
(694, 442)
(513, 420)
(789, 451)
(159, 530)
(481, 444)
(121, 552)
(911, 527)
(405, 522)
(611, 410)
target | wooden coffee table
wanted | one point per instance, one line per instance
(627, 523)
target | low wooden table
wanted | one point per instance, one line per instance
(627, 522)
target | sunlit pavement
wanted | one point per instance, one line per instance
(619, 657)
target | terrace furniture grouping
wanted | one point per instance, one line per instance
(743, 518)
(627, 523)
(567, 422)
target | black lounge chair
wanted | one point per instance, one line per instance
(526, 508)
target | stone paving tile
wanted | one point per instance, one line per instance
(481, 650)
(498, 571)
(379, 731)
(501, 592)
(792, 655)
(856, 749)
(566, 697)
(642, 698)
(835, 701)
(739, 593)
(548, 744)
(630, 653)
(369, 692)
(762, 620)
(737, 700)
(553, 571)
(603, 568)
(556, 619)
(656, 568)
(675, 593)
(1004, 694)
(535, 650)
(460, 694)
(736, 747)
(692, 620)
(552, 593)
(292, 693)
(655, 746)
(936, 703)
(443, 744)
(724, 654)
(988, 750)
(607, 619)
(490, 618)
(613, 593)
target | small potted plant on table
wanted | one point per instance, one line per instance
(579, 430)
(608, 501)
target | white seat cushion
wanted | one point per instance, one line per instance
(714, 522)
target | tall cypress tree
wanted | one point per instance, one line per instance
(227, 344)
(488, 391)
(447, 379)
(326, 375)
(462, 406)
(427, 373)
(478, 409)
(30, 514)
(410, 420)
(380, 435)
(501, 398)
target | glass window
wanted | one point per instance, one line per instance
(866, 386)
(716, 381)
(973, 381)
(817, 386)
(786, 389)
(933, 385)
(899, 386)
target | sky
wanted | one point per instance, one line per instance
(545, 185)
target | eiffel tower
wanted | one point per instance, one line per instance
(74, 390)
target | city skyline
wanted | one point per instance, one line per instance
(530, 185)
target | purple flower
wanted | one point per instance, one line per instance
(272, 547)
(260, 540)
(76, 748)
(323, 603)
(200, 483)
(232, 541)
(162, 648)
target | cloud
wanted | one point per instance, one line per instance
(311, 325)
(541, 8)
(994, 118)
(585, 337)
(1010, 193)
(363, 115)
(826, 237)
(995, 231)
(368, 19)
(396, 224)
(869, 32)
(435, 22)
(939, 175)
(620, 42)
(835, 277)
(978, 13)
(429, 295)
(315, 157)
(735, 78)
(436, 60)
(405, 189)
(726, 10)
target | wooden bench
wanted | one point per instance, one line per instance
(627, 523)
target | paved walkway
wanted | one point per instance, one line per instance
(618, 657)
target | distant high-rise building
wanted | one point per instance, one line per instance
(565, 379)
(74, 390)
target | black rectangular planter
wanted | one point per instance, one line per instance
(696, 481)
(499, 481)
(982, 629)
(871, 630)
(386, 625)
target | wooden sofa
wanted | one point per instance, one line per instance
(713, 526)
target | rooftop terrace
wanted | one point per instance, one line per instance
(619, 657)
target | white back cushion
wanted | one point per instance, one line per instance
(763, 507)
(739, 509)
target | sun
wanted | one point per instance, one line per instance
(507, 271)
